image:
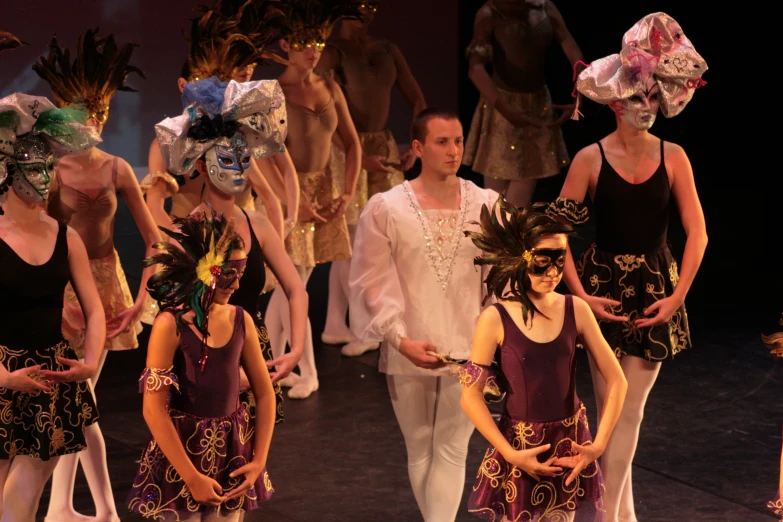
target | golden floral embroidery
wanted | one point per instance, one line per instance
(573, 211)
(156, 379)
(776, 506)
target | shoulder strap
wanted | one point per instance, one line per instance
(114, 171)
(601, 148)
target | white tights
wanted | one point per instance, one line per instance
(278, 324)
(618, 457)
(436, 433)
(518, 192)
(93, 461)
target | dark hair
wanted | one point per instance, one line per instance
(506, 234)
(185, 72)
(419, 125)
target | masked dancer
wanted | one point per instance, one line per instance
(207, 457)
(628, 276)
(41, 421)
(541, 464)
(317, 110)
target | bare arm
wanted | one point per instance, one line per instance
(563, 35)
(349, 138)
(285, 165)
(87, 293)
(585, 164)
(264, 393)
(692, 216)
(162, 346)
(407, 83)
(272, 205)
(602, 354)
(278, 261)
(159, 192)
(486, 338)
(128, 186)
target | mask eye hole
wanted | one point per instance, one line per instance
(226, 161)
(542, 261)
(636, 98)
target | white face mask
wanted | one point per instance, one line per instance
(227, 166)
(639, 111)
(33, 169)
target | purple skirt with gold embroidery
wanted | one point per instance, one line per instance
(216, 446)
(504, 492)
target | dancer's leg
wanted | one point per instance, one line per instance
(450, 450)
(96, 471)
(520, 192)
(618, 457)
(23, 487)
(413, 399)
(307, 382)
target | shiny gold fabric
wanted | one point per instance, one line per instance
(314, 243)
(115, 297)
(497, 149)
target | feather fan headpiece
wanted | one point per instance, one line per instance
(309, 22)
(98, 71)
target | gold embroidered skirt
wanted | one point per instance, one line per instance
(497, 149)
(48, 424)
(314, 243)
(379, 143)
(115, 297)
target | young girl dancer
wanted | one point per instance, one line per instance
(206, 460)
(38, 257)
(532, 333)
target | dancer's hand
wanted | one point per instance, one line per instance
(205, 490)
(308, 214)
(514, 116)
(584, 456)
(665, 309)
(122, 321)
(244, 384)
(374, 163)
(565, 114)
(21, 381)
(599, 307)
(285, 365)
(527, 461)
(337, 207)
(416, 352)
(407, 160)
(77, 371)
(251, 471)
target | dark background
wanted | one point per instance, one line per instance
(733, 162)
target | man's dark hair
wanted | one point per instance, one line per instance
(419, 125)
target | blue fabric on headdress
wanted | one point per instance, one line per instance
(207, 94)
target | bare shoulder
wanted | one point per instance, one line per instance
(673, 150)
(250, 326)
(484, 14)
(589, 155)
(580, 305)
(490, 316)
(258, 219)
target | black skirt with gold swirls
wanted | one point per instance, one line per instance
(637, 281)
(45, 425)
(246, 397)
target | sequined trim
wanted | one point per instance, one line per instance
(776, 506)
(473, 374)
(154, 379)
(572, 210)
(441, 254)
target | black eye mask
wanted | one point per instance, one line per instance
(543, 258)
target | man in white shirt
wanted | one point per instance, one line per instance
(414, 288)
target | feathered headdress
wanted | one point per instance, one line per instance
(309, 22)
(190, 272)
(215, 113)
(9, 41)
(62, 129)
(507, 237)
(99, 70)
(655, 47)
(231, 35)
